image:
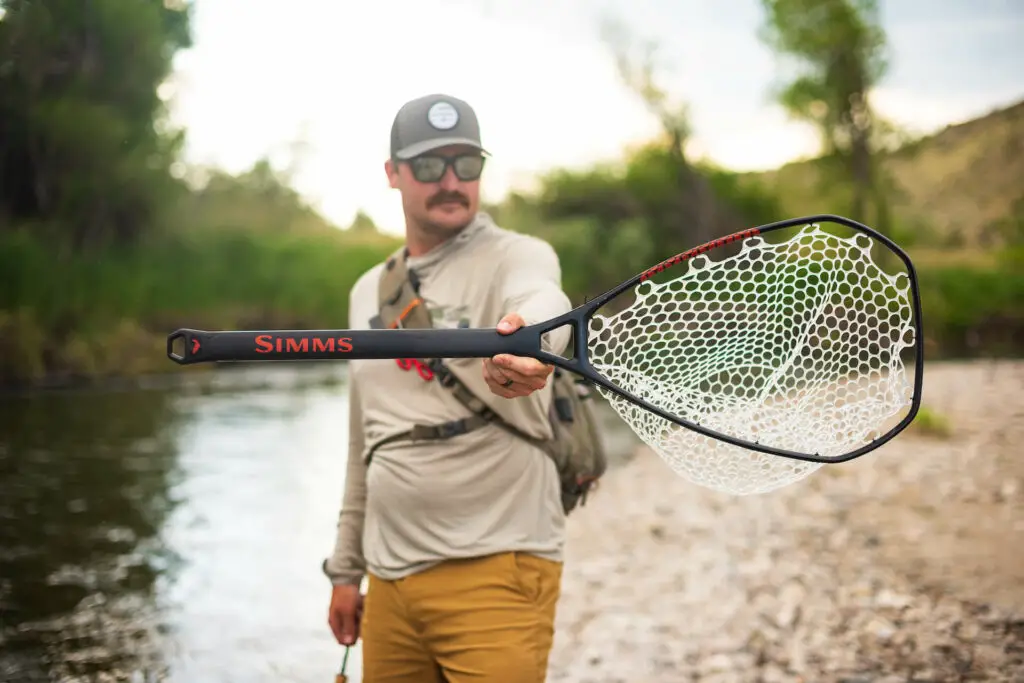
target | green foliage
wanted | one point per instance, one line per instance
(1007, 231)
(362, 224)
(102, 248)
(748, 195)
(65, 310)
(259, 200)
(971, 310)
(599, 192)
(82, 152)
(931, 423)
(839, 49)
(609, 222)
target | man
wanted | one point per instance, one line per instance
(460, 539)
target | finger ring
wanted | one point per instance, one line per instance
(507, 383)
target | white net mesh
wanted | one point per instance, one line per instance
(795, 345)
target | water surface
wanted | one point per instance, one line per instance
(175, 533)
(172, 534)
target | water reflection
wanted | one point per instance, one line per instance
(263, 474)
(171, 535)
(84, 492)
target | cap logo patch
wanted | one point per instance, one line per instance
(442, 116)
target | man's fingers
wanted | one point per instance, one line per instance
(343, 626)
(520, 386)
(345, 613)
(501, 375)
(496, 379)
(348, 628)
(524, 367)
(531, 381)
(336, 628)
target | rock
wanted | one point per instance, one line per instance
(968, 630)
(887, 598)
(775, 674)
(790, 598)
(716, 663)
(1006, 491)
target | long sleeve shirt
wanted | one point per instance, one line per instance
(482, 492)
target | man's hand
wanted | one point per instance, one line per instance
(514, 376)
(345, 613)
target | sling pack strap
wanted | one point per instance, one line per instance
(397, 305)
(400, 305)
(426, 432)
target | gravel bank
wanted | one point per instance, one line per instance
(904, 565)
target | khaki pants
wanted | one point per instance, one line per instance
(485, 620)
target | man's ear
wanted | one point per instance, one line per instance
(391, 170)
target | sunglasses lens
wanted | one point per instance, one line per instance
(427, 169)
(469, 167)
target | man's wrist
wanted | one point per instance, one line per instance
(342, 578)
(346, 580)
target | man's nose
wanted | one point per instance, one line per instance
(449, 181)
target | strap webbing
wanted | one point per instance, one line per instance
(401, 306)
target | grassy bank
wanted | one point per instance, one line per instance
(68, 317)
(73, 317)
(974, 309)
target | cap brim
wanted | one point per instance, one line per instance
(429, 145)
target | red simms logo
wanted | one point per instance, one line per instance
(271, 343)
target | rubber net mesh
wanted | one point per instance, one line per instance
(795, 344)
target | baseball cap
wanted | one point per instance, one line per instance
(433, 121)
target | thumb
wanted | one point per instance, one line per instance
(510, 323)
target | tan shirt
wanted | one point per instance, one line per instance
(478, 493)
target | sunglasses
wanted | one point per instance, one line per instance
(430, 168)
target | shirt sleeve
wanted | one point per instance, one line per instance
(531, 278)
(347, 564)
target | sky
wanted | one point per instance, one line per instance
(264, 76)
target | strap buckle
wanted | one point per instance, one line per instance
(450, 429)
(444, 376)
(445, 430)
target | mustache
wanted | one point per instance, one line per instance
(445, 196)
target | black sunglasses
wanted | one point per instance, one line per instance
(430, 168)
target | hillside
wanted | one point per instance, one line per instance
(955, 182)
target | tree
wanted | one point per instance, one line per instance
(257, 201)
(85, 148)
(839, 48)
(363, 224)
(636, 60)
(693, 207)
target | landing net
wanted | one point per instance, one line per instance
(795, 345)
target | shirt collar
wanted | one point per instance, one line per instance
(425, 264)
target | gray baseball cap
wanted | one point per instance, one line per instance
(431, 122)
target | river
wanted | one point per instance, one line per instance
(174, 530)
